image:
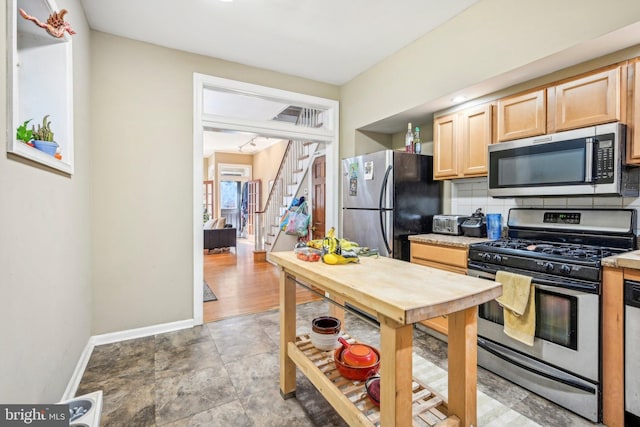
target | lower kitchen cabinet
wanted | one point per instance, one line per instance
(444, 258)
(613, 343)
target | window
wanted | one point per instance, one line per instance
(229, 195)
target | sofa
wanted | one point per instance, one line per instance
(219, 238)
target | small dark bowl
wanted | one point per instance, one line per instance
(359, 373)
(326, 325)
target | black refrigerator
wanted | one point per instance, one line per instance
(386, 197)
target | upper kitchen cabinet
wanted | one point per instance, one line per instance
(460, 142)
(590, 100)
(476, 137)
(445, 146)
(522, 115)
(39, 82)
(633, 126)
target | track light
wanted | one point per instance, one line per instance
(250, 142)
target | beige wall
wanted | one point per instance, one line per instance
(487, 40)
(45, 282)
(142, 104)
(265, 167)
(127, 229)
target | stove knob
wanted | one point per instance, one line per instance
(486, 257)
(497, 258)
(565, 269)
(548, 266)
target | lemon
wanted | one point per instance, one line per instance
(331, 259)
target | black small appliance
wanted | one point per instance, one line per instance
(476, 226)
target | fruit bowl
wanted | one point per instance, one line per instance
(308, 254)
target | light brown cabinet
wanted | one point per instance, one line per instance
(633, 126)
(522, 115)
(445, 146)
(444, 258)
(460, 142)
(587, 100)
(590, 100)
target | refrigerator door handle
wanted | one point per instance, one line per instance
(381, 209)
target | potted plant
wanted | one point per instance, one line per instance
(43, 137)
(24, 134)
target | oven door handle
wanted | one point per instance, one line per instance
(533, 366)
(562, 290)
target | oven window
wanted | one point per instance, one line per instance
(556, 317)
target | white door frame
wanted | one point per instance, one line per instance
(201, 121)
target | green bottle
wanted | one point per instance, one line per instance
(416, 142)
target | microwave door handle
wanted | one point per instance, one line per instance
(588, 166)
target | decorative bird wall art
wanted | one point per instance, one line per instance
(55, 25)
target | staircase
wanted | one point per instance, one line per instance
(295, 164)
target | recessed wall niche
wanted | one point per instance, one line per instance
(39, 83)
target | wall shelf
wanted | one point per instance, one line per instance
(39, 82)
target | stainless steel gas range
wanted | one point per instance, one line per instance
(561, 250)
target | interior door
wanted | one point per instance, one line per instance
(318, 182)
(207, 197)
(230, 196)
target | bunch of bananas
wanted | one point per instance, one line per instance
(333, 251)
(315, 243)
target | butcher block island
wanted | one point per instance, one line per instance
(398, 294)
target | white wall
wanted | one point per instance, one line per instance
(142, 120)
(469, 194)
(45, 289)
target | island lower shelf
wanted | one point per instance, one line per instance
(349, 397)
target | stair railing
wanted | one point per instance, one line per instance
(293, 167)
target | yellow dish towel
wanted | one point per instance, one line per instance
(518, 301)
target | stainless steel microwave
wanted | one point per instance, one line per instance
(586, 161)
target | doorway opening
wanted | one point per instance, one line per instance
(212, 98)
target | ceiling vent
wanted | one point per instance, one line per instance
(289, 114)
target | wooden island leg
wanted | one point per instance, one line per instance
(337, 310)
(463, 370)
(287, 334)
(396, 377)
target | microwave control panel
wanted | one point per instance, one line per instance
(604, 158)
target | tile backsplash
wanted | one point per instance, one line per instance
(467, 195)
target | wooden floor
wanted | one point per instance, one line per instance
(242, 285)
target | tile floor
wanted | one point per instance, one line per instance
(225, 373)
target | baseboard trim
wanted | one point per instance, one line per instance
(76, 377)
(113, 337)
(130, 334)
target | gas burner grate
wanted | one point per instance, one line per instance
(564, 250)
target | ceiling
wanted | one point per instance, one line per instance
(310, 40)
(267, 34)
(356, 34)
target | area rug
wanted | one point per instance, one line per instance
(491, 413)
(208, 294)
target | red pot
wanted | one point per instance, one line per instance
(359, 373)
(358, 354)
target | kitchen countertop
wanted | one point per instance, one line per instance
(446, 240)
(626, 260)
(395, 289)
